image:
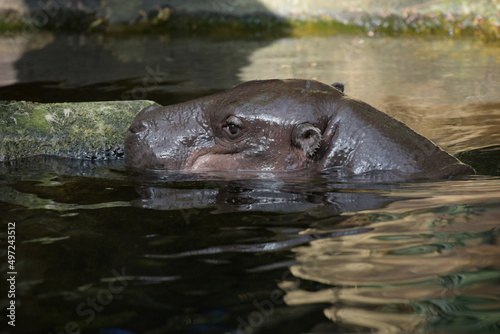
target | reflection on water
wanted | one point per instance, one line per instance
(428, 263)
(106, 251)
(445, 89)
(117, 252)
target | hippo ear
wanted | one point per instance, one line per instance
(339, 85)
(306, 137)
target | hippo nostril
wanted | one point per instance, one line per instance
(136, 128)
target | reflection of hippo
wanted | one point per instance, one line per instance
(282, 125)
(272, 195)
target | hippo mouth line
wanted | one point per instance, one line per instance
(234, 161)
(205, 159)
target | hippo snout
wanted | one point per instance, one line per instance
(163, 138)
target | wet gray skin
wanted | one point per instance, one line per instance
(282, 125)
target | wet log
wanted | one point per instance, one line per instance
(88, 130)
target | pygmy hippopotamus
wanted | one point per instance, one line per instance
(282, 125)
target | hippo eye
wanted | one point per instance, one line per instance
(233, 129)
(232, 126)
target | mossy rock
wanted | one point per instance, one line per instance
(89, 130)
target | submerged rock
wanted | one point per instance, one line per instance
(89, 130)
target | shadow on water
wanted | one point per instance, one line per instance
(167, 67)
(108, 251)
(96, 68)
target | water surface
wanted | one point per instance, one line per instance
(112, 251)
(107, 251)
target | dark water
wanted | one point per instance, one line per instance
(103, 250)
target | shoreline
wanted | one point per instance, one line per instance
(264, 18)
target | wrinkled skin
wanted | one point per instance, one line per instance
(282, 125)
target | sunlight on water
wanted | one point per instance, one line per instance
(444, 89)
(431, 257)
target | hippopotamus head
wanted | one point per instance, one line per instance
(281, 125)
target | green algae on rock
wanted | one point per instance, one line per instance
(89, 130)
